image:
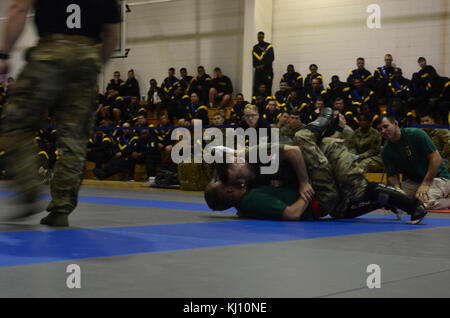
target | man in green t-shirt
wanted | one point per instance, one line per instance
(411, 152)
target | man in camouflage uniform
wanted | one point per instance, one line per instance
(294, 125)
(365, 145)
(440, 138)
(60, 76)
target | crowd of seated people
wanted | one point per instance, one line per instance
(182, 100)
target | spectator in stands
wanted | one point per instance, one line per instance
(349, 112)
(411, 152)
(439, 96)
(361, 73)
(263, 57)
(252, 120)
(363, 98)
(365, 145)
(185, 80)
(282, 121)
(218, 119)
(132, 86)
(282, 96)
(155, 96)
(177, 105)
(399, 110)
(221, 89)
(311, 76)
(440, 137)
(273, 113)
(135, 109)
(293, 79)
(121, 159)
(116, 84)
(398, 87)
(425, 70)
(163, 138)
(314, 91)
(117, 109)
(100, 148)
(223, 113)
(382, 76)
(170, 84)
(145, 152)
(237, 111)
(261, 92)
(318, 106)
(337, 88)
(201, 85)
(194, 111)
(294, 101)
(294, 125)
(141, 121)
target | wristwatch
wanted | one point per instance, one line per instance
(4, 56)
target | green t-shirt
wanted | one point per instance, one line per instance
(409, 156)
(268, 202)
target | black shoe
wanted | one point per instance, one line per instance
(322, 122)
(56, 219)
(418, 214)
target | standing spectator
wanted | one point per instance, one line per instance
(263, 57)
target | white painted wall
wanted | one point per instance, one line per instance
(183, 33)
(333, 33)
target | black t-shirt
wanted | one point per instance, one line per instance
(75, 17)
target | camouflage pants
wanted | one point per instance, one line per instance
(335, 177)
(372, 164)
(59, 78)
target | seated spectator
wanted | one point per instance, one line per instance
(311, 76)
(399, 110)
(221, 89)
(440, 137)
(365, 145)
(155, 96)
(273, 113)
(349, 112)
(218, 119)
(282, 121)
(361, 73)
(282, 96)
(425, 70)
(132, 86)
(398, 87)
(237, 111)
(318, 106)
(121, 159)
(100, 148)
(194, 111)
(170, 84)
(201, 85)
(362, 98)
(261, 91)
(163, 138)
(382, 76)
(294, 125)
(145, 152)
(418, 93)
(314, 91)
(223, 113)
(293, 79)
(177, 105)
(135, 109)
(116, 84)
(252, 120)
(141, 121)
(185, 80)
(294, 101)
(337, 88)
(117, 109)
(439, 96)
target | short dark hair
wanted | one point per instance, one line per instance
(183, 69)
(217, 69)
(261, 33)
(171, 69)
(428, 113)
(321, 99)
(421, 59)
(389, 117)
(338, 98)
(360, 59)
(366, 115)
(200, 67)
(313, 65)
(295, 113)
(240, 94)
